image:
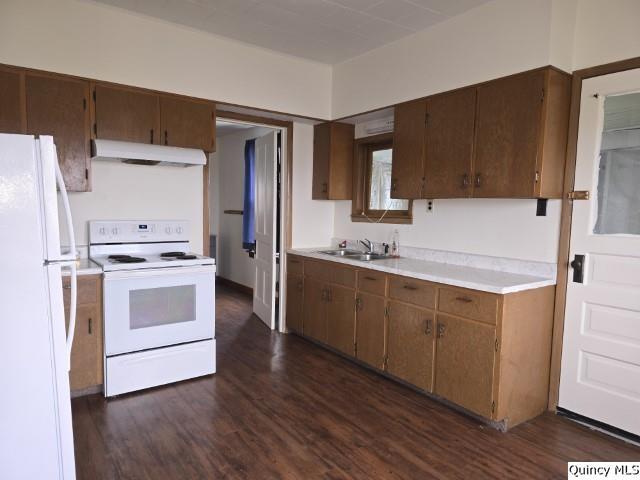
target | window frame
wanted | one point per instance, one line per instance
(362, 158)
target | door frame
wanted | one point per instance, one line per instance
(567, 213)
(285, 198)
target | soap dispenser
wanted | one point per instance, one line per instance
(395, 244)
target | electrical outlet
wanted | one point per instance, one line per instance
(429, 206)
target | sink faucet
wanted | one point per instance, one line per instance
(367, 243)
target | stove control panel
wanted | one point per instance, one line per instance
(138, 231)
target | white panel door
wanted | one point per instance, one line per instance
(264, 291)
(600, 376)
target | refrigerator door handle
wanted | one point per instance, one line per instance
(72, 308)
(67, 212)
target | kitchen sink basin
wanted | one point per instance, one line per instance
(341, 253)
(367, 257)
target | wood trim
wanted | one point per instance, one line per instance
(235, 285)
(242, 117)
(205, 208)
(566, 214)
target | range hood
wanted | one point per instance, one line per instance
(146, 154)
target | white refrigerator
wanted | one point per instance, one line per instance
(36, 436)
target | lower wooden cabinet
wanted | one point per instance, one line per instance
(370, 329)
(485, 352)
(295, 301)
(341, 303)
(87, 350)
(465, 362)
(411, 344)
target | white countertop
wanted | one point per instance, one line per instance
(84, 267)
(457, 275)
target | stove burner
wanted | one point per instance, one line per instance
(129, 259)
(172, 254)
(117, 257)
(187, 257)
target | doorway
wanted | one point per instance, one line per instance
(600, 371)
(245, 204)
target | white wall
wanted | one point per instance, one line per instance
(495, 39)
(132, 192)
(107, 43)
(312, 219)
(228, 175)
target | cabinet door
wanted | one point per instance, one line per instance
(315, 310)
(126, 114)
(507, 135)
(407, 168)
(86, 352)
(321, 154)
(370, 329)
(295, 302)
(411, 344)
(465, 356)
(58, 106)
(449, 144)
(188, 123)
(12, 115)
(341, 319)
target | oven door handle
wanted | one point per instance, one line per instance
(160, 272)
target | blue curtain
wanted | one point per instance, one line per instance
(248, 218)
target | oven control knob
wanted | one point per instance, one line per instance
(168, 230)
(102, 231)
(115, 230)
(179, 230)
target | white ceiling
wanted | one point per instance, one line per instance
(327, 31)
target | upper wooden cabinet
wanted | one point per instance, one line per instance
(58, 106)
(449, 144)
(135, 115)
(126, 114)
(332, 161)
(407, 168)
(501, 139)
(12, 113)
(188, 123)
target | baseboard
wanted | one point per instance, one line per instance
(235, 285)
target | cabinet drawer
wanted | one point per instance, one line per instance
(470, 304)
(413, 291)
(294, 265)
(331, 272)
(87, 289)
(372, 282)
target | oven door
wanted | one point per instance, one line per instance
(158, 307)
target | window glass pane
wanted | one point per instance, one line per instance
(151, 307)
(380, 192)
(619, 169)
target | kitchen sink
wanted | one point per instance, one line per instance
(354, 255)
(342, 252)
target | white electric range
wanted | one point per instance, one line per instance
(159, 304)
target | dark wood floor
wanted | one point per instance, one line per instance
(281, 407)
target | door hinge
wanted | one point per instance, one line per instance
(579, 195)
(497, 344)
(493, 407)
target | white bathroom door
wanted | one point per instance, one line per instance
(264, 291)
(600, 376)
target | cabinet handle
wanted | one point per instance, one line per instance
(323, 295)
(151, 137)
(90, 326)
(441, 329)
(67, 287)
(358, 304)
(166, 138)
(300, 285)
(325, 187)
(409, 287)
(465, 181)
(329, 295)
(464, 299)
(373, 279)
(478, 181)
(394, 184)
(428, 326)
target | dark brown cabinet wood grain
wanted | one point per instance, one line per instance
(126, 114)
(448, 166)
(411, 344)
(341, 303)
(407, 167)
(12, 101)
(332, 161)
(315, 309)
(370, 329)
(58, 106)
(295, 302)
(187, 123)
